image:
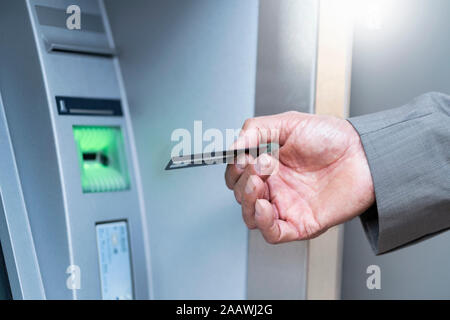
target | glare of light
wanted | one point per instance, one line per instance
(372, 13)
(374, 17)
(367, 13)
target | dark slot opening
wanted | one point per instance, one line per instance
(89, 156)
(84, 52)
(88, 107)
(92, 156)
(104, 160)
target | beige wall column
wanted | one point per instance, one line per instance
(332, 98)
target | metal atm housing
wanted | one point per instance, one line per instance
(72, 159)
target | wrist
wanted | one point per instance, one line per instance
(363, 175)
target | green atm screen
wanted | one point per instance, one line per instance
(102, 158)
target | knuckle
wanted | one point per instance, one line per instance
(227, 180)
(292, 113)
(248, 123)
(246, 202)
(248, 221)
(250, 225)
(238, 196)
(270, 239)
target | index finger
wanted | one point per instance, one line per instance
(234, 171)
(268, 129)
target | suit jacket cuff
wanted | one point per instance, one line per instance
(405, 149)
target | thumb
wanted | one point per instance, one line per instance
(266, 165)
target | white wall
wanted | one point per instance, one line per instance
(407, 56)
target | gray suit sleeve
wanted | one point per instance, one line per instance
(408, 151)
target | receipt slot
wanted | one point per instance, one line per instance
(72, 221)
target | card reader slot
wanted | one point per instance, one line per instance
(72, 106)
(97, 157)
(77, 49)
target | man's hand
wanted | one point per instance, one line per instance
(321, 178)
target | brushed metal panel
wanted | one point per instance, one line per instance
(285, 80)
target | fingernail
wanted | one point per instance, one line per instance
(263, 163)
(258, 207)
(240, 166)
(250, 186)
(241, 162)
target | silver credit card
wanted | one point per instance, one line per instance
(219, 157)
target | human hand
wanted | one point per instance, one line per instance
(320, 179)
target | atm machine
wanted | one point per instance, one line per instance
(72, 221)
